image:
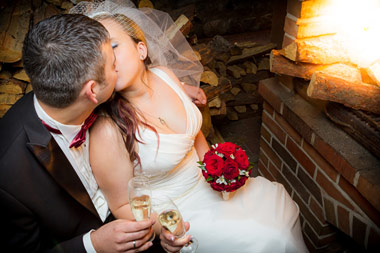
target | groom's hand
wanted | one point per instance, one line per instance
(123, 236)
(171, 244)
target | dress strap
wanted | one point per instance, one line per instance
(166, 78)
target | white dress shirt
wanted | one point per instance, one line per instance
(79, 159)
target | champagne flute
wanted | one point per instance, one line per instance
(170, 218)
(140, 196)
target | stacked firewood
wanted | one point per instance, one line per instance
(14, 23)
(232, 68)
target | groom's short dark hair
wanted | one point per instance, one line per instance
(61, 53)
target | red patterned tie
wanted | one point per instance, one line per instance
(81, 136)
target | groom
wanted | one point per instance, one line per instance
(49, 198)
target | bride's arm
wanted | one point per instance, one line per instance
(111, 166)
(201, 145)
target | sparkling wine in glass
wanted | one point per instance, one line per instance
(140, 196)
(170, 218)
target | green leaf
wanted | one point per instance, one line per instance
(210, 178)
(200, 162)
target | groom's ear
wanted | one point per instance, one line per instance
(142, 49)
(89, 91)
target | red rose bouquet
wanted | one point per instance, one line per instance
(225, 167)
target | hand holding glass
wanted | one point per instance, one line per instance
(140, 196)
(171, 219)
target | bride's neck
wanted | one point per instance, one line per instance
(140, 90)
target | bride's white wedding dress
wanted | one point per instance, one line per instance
(260, 217)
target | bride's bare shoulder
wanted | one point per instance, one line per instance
(104, 127)
(169, 72)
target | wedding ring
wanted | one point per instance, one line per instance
(134, 244)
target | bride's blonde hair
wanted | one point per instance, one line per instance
(129, 26)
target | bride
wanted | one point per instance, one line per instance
(151, 125)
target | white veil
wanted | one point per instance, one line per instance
(166, 44)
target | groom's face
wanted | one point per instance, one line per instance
(109, 72)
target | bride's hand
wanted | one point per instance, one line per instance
(196, 94)
(172, 244)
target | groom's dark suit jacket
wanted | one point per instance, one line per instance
(43, 204)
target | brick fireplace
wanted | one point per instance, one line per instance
(333, 178)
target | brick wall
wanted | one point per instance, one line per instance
(322, 168)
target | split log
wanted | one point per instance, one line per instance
(207, 55)
(46, 10)
(206, 120)
(29, 88)
(215, 102)
(12, 86)
(188, 10)
(182, 24)
(236, 71)
(21, 75)
(215, 136)
(245, 99)
(357, 95)
(222, 110)
(14, 24)
(210, 78)
(310, 27)
(4, 109)
(9, 99)
(5, 75)
(250, 52)
(263, 64)
(250, 67)
(145, 4)
(319, 50)
(240, 108)
(281, 65)
(211, 91)
(373, 71)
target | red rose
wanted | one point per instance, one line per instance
(226, 148)
(230, 188)
(230, 169)
(241, 158)
(214, 164)
(205, 175)
(208, 153)
(234, 186)
(241, 182)
(217, 187)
